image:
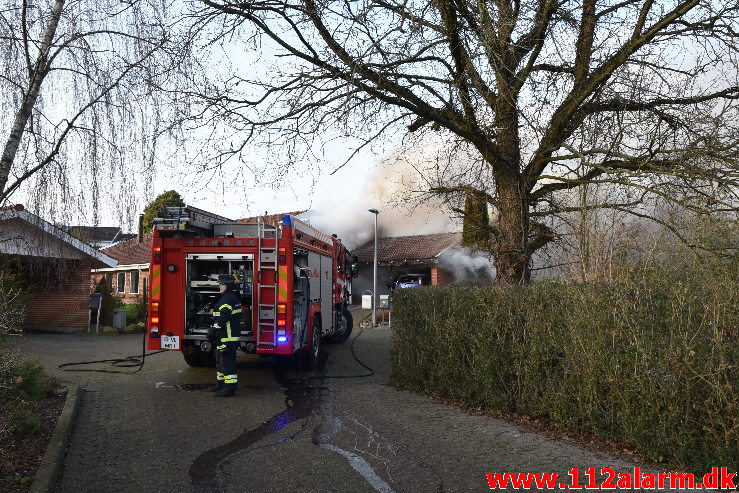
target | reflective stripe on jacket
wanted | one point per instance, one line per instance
(227, 316)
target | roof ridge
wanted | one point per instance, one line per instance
(135, 238)
(422, 234)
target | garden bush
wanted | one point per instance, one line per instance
(13, 299)
(22, 385)
(135, 312)
(109, 302)
(650, 359)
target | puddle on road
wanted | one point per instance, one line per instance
(194, 387)
(303, 400)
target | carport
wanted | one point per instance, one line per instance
(417, 254)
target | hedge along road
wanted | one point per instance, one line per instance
(159, 430)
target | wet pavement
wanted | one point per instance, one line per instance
(160, 430)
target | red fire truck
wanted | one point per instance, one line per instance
(294, 282)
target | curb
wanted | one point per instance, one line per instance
(51, 464)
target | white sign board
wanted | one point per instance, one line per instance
(367, 301)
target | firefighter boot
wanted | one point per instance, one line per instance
(225, 392)
(216, 387)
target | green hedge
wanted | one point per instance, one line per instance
(651, 360)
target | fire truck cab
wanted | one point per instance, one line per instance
(294, 282)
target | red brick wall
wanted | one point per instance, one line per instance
(94, 279)
(127, 297)
(439, 276)
(63, 304)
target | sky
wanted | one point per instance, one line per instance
(337, 203)
(115, 194)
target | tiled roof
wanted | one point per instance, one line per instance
(17, 211)
(401, 248)
(131, 251)
(93, 234)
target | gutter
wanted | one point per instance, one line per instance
(119, 268)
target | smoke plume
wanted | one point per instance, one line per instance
(467, 265)
(403, 211)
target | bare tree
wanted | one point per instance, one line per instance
(548, 94)
(78, 79)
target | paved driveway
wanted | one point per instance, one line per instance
(158, 430)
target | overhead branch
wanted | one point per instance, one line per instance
(465, 189)
(620, 104)
(585, 38)
(37, 74)
(564, 184)
(543, 234)
(563, 210)
(567, 115)
(459, 56)
(69, 125)
(368, 141)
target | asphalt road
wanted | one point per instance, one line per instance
(159, 430)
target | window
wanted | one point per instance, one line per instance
(134, 287)
(121, 285)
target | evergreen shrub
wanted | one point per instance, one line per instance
(650, 359)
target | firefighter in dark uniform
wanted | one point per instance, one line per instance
(225, 334)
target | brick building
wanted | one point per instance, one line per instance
(54, 265)
(130, 278)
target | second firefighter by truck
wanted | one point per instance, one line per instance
(225, 334)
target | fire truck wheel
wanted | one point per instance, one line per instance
(310, 357)
(344, 329)
(194, 356)
(208, 358)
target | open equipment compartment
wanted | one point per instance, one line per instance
(202, 290)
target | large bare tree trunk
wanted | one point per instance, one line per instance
(36, 74)
(511, 248)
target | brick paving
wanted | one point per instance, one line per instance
(157, 430)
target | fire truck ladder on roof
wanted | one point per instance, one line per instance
(267, 292)
(189, 219)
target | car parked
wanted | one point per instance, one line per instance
(410, 281)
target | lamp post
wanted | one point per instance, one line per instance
(374, 273)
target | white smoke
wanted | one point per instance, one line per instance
(394, 189)
(467, 265)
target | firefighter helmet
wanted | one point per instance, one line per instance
(228, 280)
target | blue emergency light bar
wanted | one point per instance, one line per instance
(287, 220)
(282, 339)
